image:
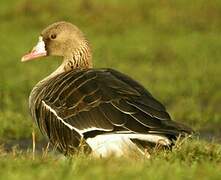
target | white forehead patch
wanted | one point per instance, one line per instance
(40, 47)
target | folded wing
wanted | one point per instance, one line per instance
(86, 103)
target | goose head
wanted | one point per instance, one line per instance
(65, 40)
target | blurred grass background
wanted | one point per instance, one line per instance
(171, 47)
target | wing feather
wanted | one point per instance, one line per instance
(162, 115)
(112, 114)
(90, 119)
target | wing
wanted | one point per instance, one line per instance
(85, 103)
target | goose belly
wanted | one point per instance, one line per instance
(121, 144)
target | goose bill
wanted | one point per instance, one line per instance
(37, 51)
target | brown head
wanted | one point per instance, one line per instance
(66, 40)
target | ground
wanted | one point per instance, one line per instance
(171, 47)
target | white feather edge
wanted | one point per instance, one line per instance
(60, 119)
(79, 131)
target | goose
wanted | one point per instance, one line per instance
(101, 109)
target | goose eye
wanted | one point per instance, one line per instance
(53, 36)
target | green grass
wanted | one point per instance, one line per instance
(172, 47)
(193, 161)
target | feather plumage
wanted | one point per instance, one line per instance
(87, 103)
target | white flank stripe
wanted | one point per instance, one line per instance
(59, 118)
(93, 129)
